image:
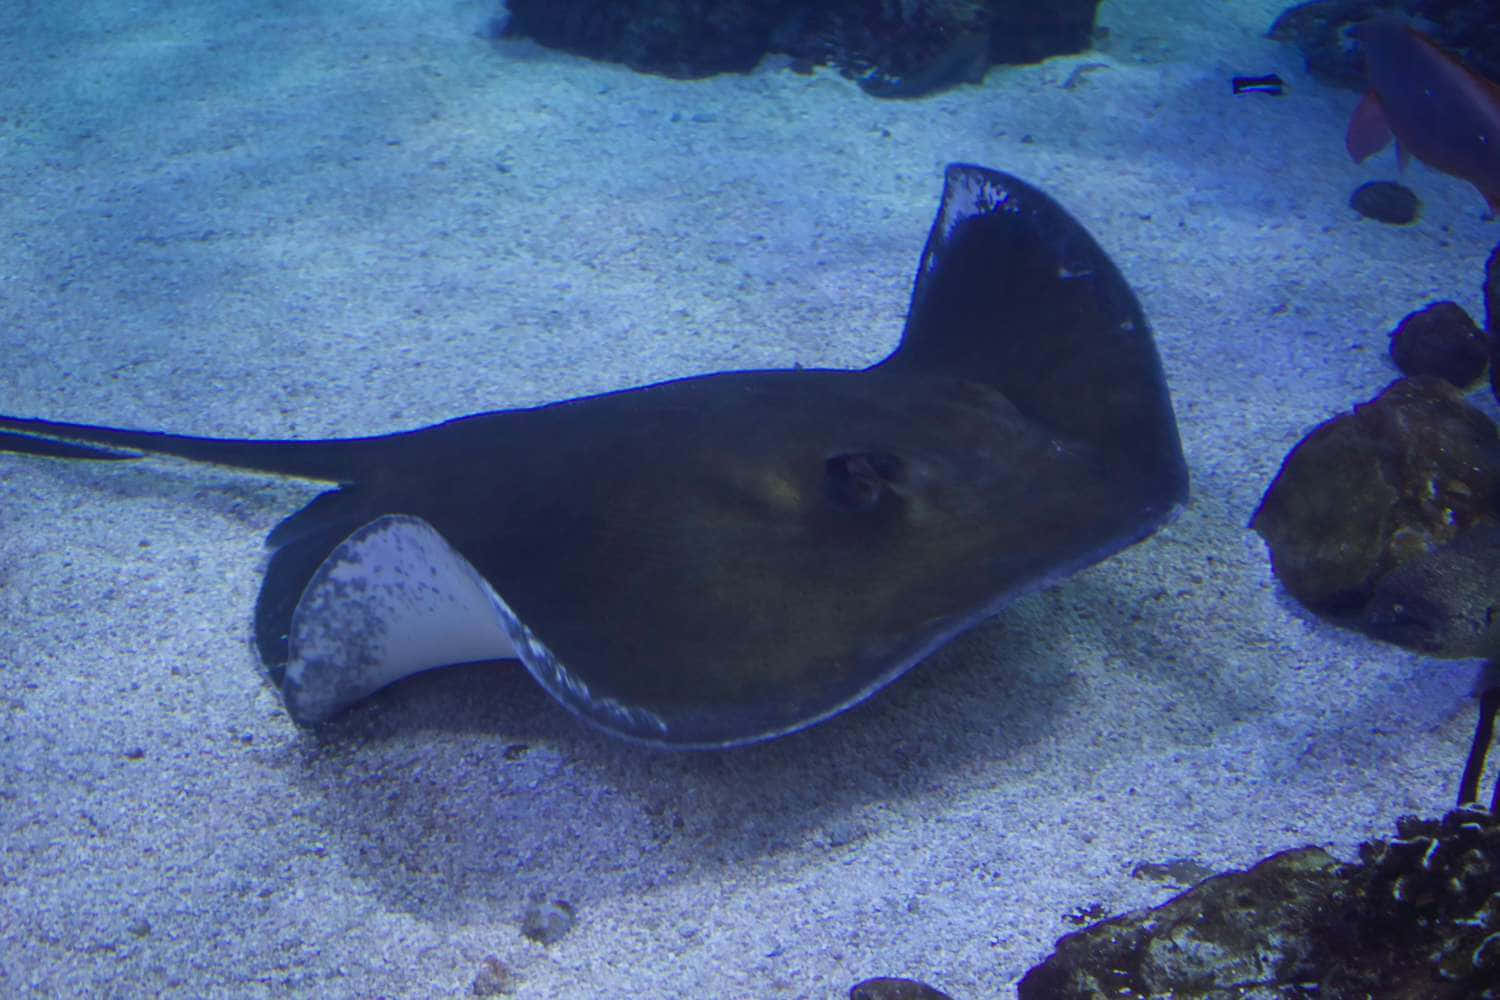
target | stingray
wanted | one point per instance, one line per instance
(725, 558)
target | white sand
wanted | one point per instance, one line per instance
(251, 219)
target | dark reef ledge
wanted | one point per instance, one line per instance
(894, 48)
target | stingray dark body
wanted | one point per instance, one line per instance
(721, 559)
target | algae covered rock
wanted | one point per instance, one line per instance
(1417, 919)
(1368, 491)
(1256, 926)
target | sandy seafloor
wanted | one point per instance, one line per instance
(342, 218)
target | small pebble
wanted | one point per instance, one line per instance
(1386, 201)
(493, 980)
(547, 921)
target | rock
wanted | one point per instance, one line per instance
(885, 988)
(680, 38)
(1177, 871)
(1492, 315)
(1417, 919)
(1492, 294)
(1320, 31)
(1442, 602)
(1370, 490)
(1440, 339)
(547, 921)
(894, 48)
(1386, 201)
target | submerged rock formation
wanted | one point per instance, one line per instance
(1365, 492)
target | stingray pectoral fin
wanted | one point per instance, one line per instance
(391, 600)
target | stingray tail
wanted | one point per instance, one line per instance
(327, 460)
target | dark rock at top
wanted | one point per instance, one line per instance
(894, 48)
(1416, 919)
(1386, 201)
(1468, 28)
(1440, 339)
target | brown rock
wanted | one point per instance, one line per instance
(1417, 919)
(1372, 489)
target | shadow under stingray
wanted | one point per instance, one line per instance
(464, 792)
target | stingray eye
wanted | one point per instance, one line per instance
(857, 480)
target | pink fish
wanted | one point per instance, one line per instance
(1439, 111)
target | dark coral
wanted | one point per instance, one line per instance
(894, 48)
(1440, 339)
(1417, 919)
(1427, 903)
